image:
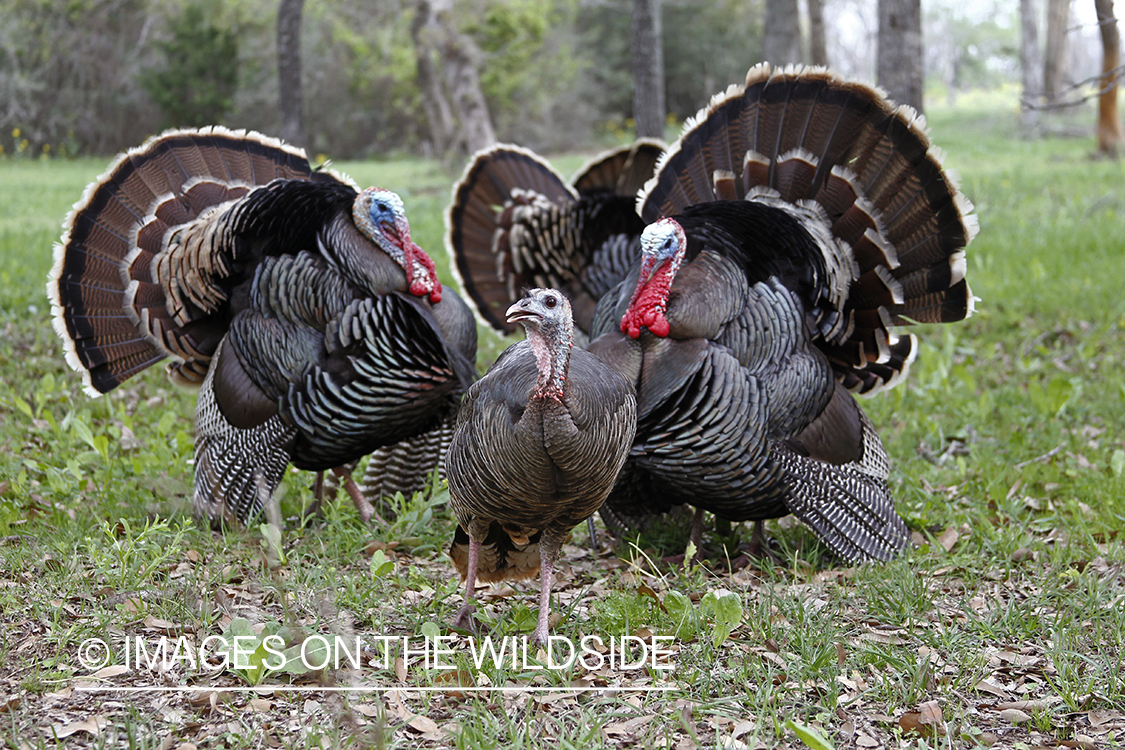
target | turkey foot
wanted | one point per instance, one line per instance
(464, 619)
(757, 549)
(365, 508)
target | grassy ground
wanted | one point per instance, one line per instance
(1004, 625)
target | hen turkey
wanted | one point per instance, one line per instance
(514, 223)
(797, 221)
(316, 330)
(538, 444)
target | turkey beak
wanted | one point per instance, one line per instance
(519, 311)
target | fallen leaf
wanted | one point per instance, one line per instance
(1014, 716)
(369, 710)
(986, 686)
(93, 725)
(111, 671)
(1102, 717)
(1035, 705)
(423, 725)
(629, 727)
(931, 712)
(865, 740)
(948, 538)
(167, 628)
(260, 704)
(400, 669)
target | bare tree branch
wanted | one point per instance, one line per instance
(1105, 84)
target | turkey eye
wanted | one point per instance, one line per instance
(382, 208)
(550, 302)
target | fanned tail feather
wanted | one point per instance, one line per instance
(495, 183)
(806, 136)
(109, 307)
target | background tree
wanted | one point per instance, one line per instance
(781, 39)
(448, 62)
(899, 61)
(289, 71)
(196, 83)
(648, 70)
(1031, 63)
(1110, 134)
(1055, 57)
(818, 47)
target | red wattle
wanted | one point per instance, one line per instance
(647, 308)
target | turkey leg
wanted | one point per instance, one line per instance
(549, 548)
(464, 616)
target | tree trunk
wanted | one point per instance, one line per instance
(289, 71)
(1110, 135)
(818, 48)
(451, 92)
(781, 33)
(461, 60)
(648, 70)
(1054, 63)
(1030, 63)
(898, 61)
(425, 33)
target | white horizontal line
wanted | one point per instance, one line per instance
(87, 688)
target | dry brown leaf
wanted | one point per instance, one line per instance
(11, 704)
(987, 686)
(865, 740)
(165, 627)
(94, 725)
(370, 710)
(628, 727)
(948, 538)
(931, 712)
(260, 704)
(1103, 717)
(400, 669)
(111, 671)
(425, 725)
(1014, 716)
(1033, 705)
(310, 706)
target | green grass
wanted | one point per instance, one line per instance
(1008, 434)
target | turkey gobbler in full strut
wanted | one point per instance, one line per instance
(805, 216)
(313, 325)
(537, 447)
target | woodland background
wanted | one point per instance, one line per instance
(437, 78)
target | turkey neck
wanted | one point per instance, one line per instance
(552, 356)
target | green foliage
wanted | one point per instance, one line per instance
(195, 86)
(810, 736)
(124, 554)
(257, 654)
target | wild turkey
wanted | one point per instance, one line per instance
(810, 217)
(315, 328)
(538, 444)
(514, 223)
